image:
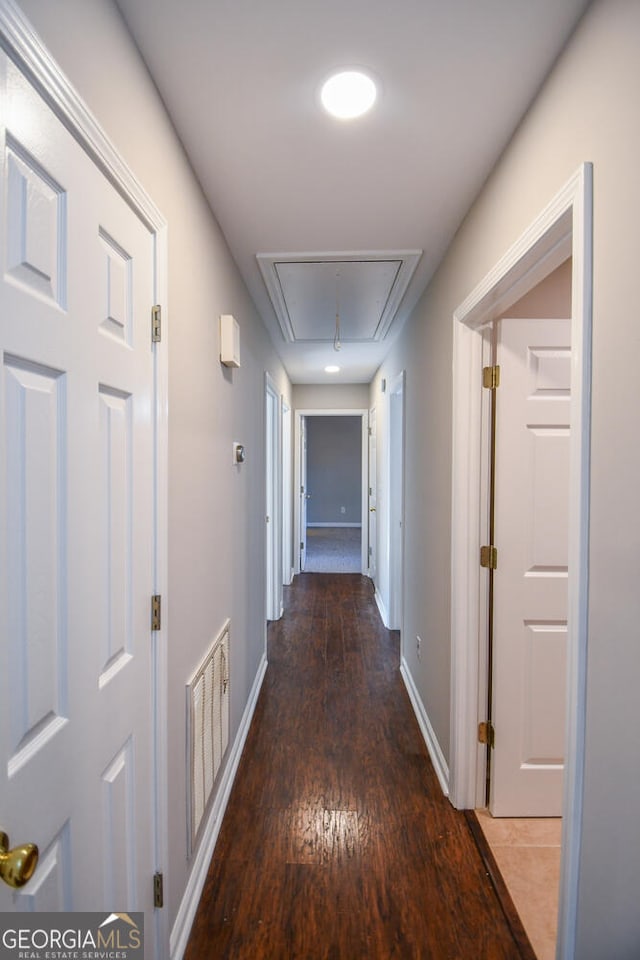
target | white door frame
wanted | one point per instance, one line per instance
(301, 498)
(287, 493)
(25, 48)
(273, 500)
(395, 513)
(372, 494)
(364, 471)
(563, 229)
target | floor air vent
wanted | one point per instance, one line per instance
(207, 729)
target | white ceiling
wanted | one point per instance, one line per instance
(240, 79)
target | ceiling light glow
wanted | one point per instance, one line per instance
(348, 94)
(332, 369)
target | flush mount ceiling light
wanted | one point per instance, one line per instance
(332, 369)
(348, 94)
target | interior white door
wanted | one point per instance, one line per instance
(396, 502)
(274, 500)
(287, 506)
(373, 496)
(304, 496)
(76, 519)
(530, 583)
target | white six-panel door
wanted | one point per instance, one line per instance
(530, 583)
(373, 495)
(396, 502)
(76, 519)
(273, 502)
(304, 496)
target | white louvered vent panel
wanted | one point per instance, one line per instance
(207, 730)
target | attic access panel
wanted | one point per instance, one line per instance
(357, 290)
(366, 290)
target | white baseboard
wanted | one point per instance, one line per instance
(381, 608)
(333, 523)
(437, 757)
(191, 898)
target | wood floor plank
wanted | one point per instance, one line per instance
(337, 843)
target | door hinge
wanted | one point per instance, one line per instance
(301, 489)
(370, 551)
(489, 557)
(302, 545)
(370, 431)
(156, 323)
(486, 734)
(491, 377)
(156, 612)
(158, 892)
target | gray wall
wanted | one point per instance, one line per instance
(345, 396)
(586, 111)
(334, 469)
(216, 512)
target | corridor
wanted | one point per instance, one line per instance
(337, 841)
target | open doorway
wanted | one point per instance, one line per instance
(396, 502)
(527, 465)
(331, 476)
(563, 230)
(334, 495)
(274, 501)
(530, 503)
(287, 496)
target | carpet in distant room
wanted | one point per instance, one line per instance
(333, 550)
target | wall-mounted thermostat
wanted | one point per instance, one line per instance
(238, 452)
(229, 340)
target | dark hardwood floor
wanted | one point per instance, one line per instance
(337, 843)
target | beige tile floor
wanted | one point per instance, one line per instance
(528, 856)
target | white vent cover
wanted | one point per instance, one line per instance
(207, 730)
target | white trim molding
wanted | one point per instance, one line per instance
(193, 892)
(381, 608)
(563, 229)
(428, 733)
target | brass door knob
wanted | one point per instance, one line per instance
(372, 509)
(17, 865)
